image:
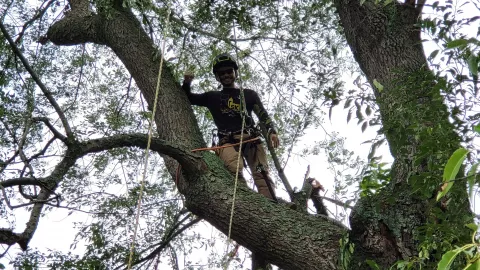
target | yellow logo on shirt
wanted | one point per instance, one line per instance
(232, 105)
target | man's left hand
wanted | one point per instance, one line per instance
(274, 140)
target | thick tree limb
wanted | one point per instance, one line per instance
(8, 237)
(386, 41)
(77, 150)
(190, 162)
(24, 181)
(420, 5)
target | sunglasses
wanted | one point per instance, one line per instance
(223, 72)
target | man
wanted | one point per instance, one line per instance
(226, 108)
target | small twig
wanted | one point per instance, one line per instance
(6, 10)
(164, 243)
(55, 132)
(11, 207)
(79, 80)
(40, 84)
(79, 210)
(277, 164)
(126, 96)
(43, 151)
(5, 252)
(33, 19)
(337, 202)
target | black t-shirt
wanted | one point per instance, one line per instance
(225, 108)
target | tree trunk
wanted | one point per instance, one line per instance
(386, 43)
(282, 236)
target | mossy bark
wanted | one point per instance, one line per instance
(386, 43)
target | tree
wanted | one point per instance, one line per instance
(393, 224)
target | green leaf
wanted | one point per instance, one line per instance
(2, 266)
(433, 54)
(378, 85)
(364, 126)
(348, 103)
(472, 226)
(451, 169)
(361, 2)
(454, 163)
(473, 65)
(387, 2)
(457, 43)
(368, 110)
(471, 177)
(373, 265)
(473, 266)
(477, 128)
(447, 259)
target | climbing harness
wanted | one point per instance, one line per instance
(150, 129)
(177, 176)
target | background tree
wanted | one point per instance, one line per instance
(88, 123)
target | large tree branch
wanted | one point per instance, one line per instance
(76, 150)
(8, 237)
(22, 182)
(190, 162)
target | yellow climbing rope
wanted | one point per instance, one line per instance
(150, 128)
(243, 113)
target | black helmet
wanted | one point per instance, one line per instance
(224, 60)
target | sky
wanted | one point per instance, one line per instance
(55, 229)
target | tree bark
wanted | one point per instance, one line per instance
(386, 42)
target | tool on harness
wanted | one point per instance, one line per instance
(214, 137)
(225, 136)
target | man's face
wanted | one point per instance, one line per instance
(226, 76)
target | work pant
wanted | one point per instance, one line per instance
(256, 158)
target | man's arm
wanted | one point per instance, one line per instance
(265, 119)
(195, 99)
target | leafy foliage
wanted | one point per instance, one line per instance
(291, 53)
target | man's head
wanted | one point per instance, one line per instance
(225, 69)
